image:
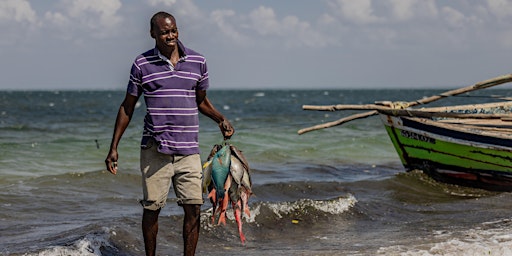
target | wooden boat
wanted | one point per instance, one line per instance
(469, 145)
(468, 150)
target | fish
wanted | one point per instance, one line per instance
(238, 218)
(207, 175)
(224, 202)
(214, 151)
(232, 186)
(220, 170)
(238, 154)
(236, 169)
(235, 196)
(207, 168)
(215, 171)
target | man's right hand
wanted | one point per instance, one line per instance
(124, 115)
(111, 161)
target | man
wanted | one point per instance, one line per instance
(173, 80)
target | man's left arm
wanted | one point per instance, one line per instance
(206, 108)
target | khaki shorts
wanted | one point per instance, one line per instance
(158, 170)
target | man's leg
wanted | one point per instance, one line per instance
(191, 225)
(150, 230)
(156, 182)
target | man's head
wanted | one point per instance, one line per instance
(165, 31)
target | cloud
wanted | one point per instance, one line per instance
(500, 8)
(436, 24)
(404, 10)
(500, 14)
(221, 19)
(18, 21)
(167, 3)
(98, 18)
(367, 23)
(183, 8)
(382, 12)
(18, 11)
(264, 21)
(453, 17)
(358, 12)
(262, 26)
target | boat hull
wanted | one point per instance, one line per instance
(452, 154)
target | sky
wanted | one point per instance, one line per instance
(285, 44)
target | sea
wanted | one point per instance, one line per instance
(335, 191)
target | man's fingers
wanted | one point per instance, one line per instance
(111, 166)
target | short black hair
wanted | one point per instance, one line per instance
(160, 15)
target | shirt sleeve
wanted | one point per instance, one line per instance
(135, 82)
(204, 82)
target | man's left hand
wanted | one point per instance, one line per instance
(227, 129)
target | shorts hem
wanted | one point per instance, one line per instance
(191, 201)
(152, 205)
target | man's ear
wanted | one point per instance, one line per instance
(152, 33)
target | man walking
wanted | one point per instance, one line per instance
(173, 80)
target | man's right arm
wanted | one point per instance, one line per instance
(124, 115)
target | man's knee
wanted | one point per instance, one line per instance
(192, 211)
(150, 216)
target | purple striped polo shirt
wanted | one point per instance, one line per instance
(170, 95)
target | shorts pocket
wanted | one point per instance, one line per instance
(147, 143)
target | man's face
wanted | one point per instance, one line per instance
(165, 34)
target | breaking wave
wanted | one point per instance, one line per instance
(275, 211)
(490, 238)
(93, 244)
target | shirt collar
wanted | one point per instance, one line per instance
(162, 56)
(181, 49)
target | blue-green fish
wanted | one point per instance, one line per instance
(220, 170)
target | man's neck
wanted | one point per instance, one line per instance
(172, 54)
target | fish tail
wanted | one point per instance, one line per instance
(225, 201)
(220, 194)
(244, 197)
(213, 216)
(238, 218)
(213, 195)
(223, 208)
(213, 199)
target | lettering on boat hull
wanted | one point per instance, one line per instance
(415, 136)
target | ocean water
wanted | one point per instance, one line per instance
(337, 191)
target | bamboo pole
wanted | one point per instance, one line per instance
(428, 114)
(480, 85)
(345, 107)
(386, 107)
